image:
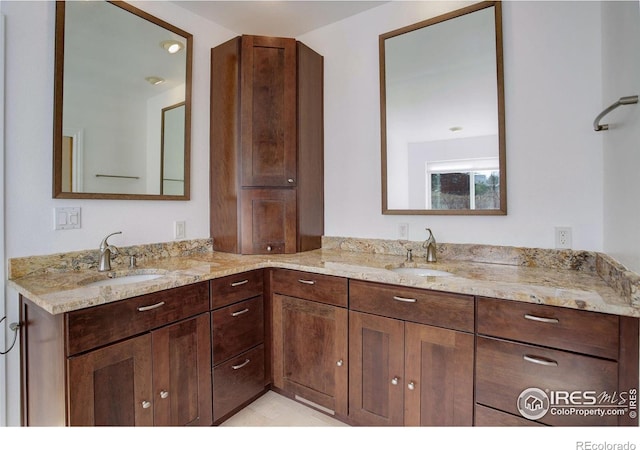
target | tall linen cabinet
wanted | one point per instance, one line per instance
(266, 159)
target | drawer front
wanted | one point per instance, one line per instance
(489, 417)
(100, 325)
(579, 331)
(311, 286)
(233, 288)
(237, 328)
(440, 309)
(505, 369)
(237, 381)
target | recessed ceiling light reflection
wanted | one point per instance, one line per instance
(172, 46)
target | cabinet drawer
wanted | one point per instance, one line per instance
(233, 288)
(237, 381)
(551, 326)
(311, 286)
(100, 325)
(505, 369)
(489, 417)
(440, 309)
(237, 328)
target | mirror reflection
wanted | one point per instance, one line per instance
(442, 115)
(122, 104)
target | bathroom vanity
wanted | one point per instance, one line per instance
(341, 331)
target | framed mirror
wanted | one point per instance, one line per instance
(442, 115)
(122, 104)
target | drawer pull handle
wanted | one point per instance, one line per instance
(164, 394)
(540, 319)
(306, 281)
(146, 404)
(240, 366)
(150, 307)
(541, 361)
(239, 313)
(404, 299)
(239, 283)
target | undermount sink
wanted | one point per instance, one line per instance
(124, 279)
(421, 272)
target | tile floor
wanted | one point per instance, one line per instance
(275, 410)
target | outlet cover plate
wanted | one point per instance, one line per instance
(563, 238)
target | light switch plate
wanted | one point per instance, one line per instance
(179, 229)
(66, 218)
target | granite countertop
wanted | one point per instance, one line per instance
(62, 290)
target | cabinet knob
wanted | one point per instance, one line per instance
(395, 381)
(146, 404)
(290, 180)
(269, 248)
(164, 394)
(411, 386)
(340, 363)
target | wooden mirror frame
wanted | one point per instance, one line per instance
(58, 109)
(502, 210)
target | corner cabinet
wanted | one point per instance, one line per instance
(310, 339)
(138, 362)
(266, 146)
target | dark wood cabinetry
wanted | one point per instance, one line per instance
(564, 353)
(310, 346)
(266, 156)
(237, 324)
(141, 361)
(406, 373)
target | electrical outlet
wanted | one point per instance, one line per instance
(179, 230)
(403, 231)
(563, 237)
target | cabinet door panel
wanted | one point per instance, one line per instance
(268, 221)
(438, 377)
(310, 351)
(268, 111)
(376, 370)
(182, 373)
(108, 386)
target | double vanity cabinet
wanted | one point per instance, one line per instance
(369, 353)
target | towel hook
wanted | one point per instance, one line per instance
(629, 100)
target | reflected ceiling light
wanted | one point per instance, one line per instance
(155, 80)
(172, 46)
(455, 129)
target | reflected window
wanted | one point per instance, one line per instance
(471, 184)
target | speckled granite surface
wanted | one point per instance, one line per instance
(578, 280)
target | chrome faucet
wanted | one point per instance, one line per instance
(430, 245)
(106, 250)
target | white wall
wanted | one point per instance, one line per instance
(621, 77)
(552, 89)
